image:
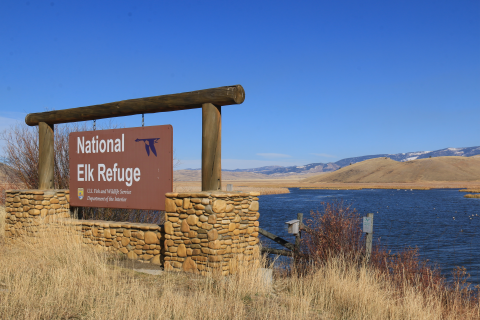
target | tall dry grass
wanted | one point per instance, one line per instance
(58, 278)
(3, 215)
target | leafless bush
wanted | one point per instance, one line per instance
(21, 154)
(333, 232)
(131, 215)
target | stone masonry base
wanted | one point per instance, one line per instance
(204, 232)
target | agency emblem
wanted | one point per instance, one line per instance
(80, 193)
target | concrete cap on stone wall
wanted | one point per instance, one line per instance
(113, 224)
(215, 194)
(37, 191)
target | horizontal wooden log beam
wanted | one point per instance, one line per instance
(277, 239)
(220, 96)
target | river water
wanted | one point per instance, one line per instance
(440, 222)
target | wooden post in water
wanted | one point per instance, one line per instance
(298, 236)
(369, 239)
(45, 155)
(211, 147)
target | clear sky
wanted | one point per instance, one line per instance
(324, 80)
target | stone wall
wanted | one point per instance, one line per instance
(139, 241)
(27, 209)
(211, 231)
(204, 232)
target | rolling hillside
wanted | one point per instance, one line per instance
(386, 170)
(307, 170)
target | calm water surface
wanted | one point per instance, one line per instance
(441, 222)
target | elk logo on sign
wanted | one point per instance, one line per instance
(150, 145)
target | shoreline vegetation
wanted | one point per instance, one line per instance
(55, 276)
(475, 193)
(472, 196)
(470, 190)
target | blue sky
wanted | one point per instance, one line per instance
(324, 80)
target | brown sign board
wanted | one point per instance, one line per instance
(128, 168)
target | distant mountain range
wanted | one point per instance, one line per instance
(332, 166)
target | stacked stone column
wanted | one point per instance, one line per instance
(27, 209)
(211, 231)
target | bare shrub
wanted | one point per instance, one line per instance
(131, 215)
(406, 266)
(333, 232)
(21, 154)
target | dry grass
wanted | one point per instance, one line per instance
(58, 278)
(472, 196)
(196, 187)
(3, 214)
(473, 190)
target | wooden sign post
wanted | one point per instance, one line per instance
(210, 100)
(211, 147)
(46, 160)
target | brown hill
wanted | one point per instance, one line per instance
(385, 170)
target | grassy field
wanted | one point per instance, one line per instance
(58, 278)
